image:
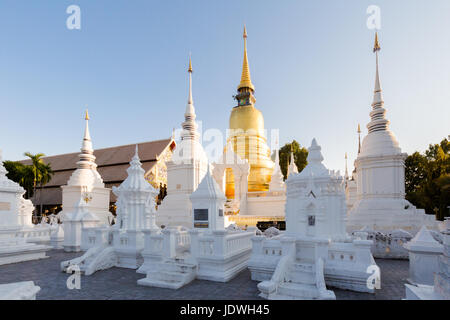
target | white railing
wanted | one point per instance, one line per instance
(183, 239)
(238, 242)
(271, 249)
(35, 234)
(206, 246)
(88, 238)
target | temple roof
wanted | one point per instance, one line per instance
(112, 164)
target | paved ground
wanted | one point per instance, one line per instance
(118, 283)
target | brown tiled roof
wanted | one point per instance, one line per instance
(112, 164)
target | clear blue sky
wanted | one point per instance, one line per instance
(311, 63)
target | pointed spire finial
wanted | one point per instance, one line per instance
(190, 100)
(246, 81)
(376, 46)
(86, 116)
(190, 64)
(378, 121)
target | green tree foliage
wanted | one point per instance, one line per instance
(427, 179)
(21, 174)
(300, 155)
(37, 174)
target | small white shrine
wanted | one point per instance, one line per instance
(315, 250)
(208, 251)
(441, 288)
(120, 245)
(380, 177)
(424, 252)
(16, 214)
(184, 171)
(84, 182)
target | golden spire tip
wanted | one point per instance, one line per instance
(359, 128)
(246, 81)
(86, 117)
(190, 65)
(376, 46)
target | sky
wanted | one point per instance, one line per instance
(311, 63)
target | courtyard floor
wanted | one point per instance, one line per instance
(117, 283)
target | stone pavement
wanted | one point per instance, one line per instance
(117, 283)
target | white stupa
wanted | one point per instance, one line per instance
(380, 176)
(136, 199)
(84, 183)
(136, 202)
(277, 183)
(86, 179)
(292, 167)
(13, 247)
(184, 172)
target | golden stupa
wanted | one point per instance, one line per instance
(247, 136)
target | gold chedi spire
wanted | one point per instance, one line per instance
(190, 65)
(376, 46)
(246, 81)
(86, 117)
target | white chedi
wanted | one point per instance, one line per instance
(121, 245)
(86, 179)
(380, 178)
(184, 172)
(15, 212)
(277, 182)
(136, 199)
(292, 167)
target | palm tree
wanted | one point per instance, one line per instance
(42, 173)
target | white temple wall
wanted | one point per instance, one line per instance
(266, 206)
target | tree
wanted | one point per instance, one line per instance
(427, 179)
(21, 174)
(300, 155)
(42, 173)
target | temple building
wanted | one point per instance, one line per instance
(111, 163)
